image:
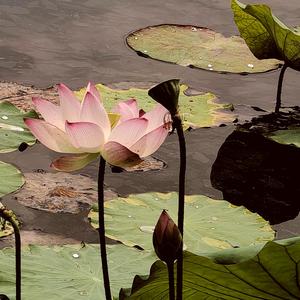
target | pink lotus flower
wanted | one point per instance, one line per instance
(84, 129)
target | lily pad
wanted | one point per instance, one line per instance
(271, 274)
(197, 110)
(11, 179)
(266, 35)
(289, 136)
(209, 224)
(13, 131)
(197, 47)
(71, 272)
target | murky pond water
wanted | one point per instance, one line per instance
(44, 42)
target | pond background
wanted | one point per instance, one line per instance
(73, 41)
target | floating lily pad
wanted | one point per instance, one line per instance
(209, 224)
(289, 136)
(197, 47)
(266, 35)
(13, 131)
(71, 272)
(60, 192)
(272, 274)
(197, 110)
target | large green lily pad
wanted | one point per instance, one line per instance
(71, 272)
(13, 131)
(288, 137)
(11, 179)
(197, 47)
(209, 224)
(200, 110)
(271, 275)
(265, 35)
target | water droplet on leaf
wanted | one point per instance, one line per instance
(147, 229)
(251, 66)
(75, 255)
(4, 117)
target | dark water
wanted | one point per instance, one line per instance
(43, 42)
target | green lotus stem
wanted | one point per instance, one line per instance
(101, 229)
(8, 216)
(177, 123)
(171, 281)
(279, 88)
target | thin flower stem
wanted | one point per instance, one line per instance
(171, 281)
(279, 88)
(101, 229)
(8, 216)
(178, 125)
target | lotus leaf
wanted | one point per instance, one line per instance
(10, 179)
(289, 136)
(202, 110)
(210, 225)
(197, 47)
(13, 131)
(265, 35)
(70, 272)
(271, 274)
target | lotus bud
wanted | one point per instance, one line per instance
(3, 297)
(167, 93)
(167, 240)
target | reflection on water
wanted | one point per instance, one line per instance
(259, 174)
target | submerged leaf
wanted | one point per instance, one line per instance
(209, 224)
(271, 275)
(199, 110)
(265, 35)
(197, 47)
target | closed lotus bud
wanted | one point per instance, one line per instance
(167, 239)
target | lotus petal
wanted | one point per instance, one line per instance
(93, 111)
(156, 117)
(93, 90)
(70, 105)
(49, 135)
(129, 132)
(127, 109)
(150, 142)
(73, 162)
(50, 112)
(119, 155)
(87, 137)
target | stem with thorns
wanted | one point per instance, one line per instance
(171, 281)
(177, 123)
(101, 229)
